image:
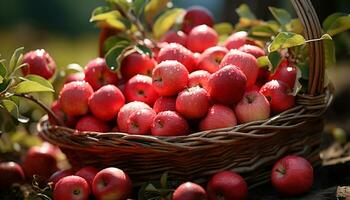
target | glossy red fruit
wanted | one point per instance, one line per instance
(106, 102)
(236, 40)
(88, 173)
(253, 50)
(292, 175)
(55, 177)
(137, 63)
(140, 88)
(201, 38)
(199, 78)
(126, 111)
(169, 78)
(140, 122)
(91, 123)
(71, 188)
(218, 116)
(97, 74)
(193, 103)
(74, 98)
(165, 104)
(39, 63)
(169, 123)
(286, 74)
(195, 16)
(189, 191)
(263, 76)
(227, 85)
(211, 58)
(178, 37)
(68, 121)
(10, 173)
(227, 185)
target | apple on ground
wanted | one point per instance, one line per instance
(253, 50)
(140, 122)
(199, 78)
(91, 123)
(140, 88)
(201, 38)
(74, 98)
(39, 62)
(211, 58)
(195, 16)
(193, 103)
(111, 183)
(137, 63)
(88, 173)
(55, 177)
(10, 173)
(126, 111)
(97, 74)
(218, 116)
(169, 123)
(252, 107)
(227, 185)
(165, 104)
(236, 40)
(189, 191)
(178, 37)
(106, 102)
(292, 175)
(71, 188)
(169, 78)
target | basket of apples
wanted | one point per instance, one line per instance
(174, 92)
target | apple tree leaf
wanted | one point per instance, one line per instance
(281, 15)
(113, 40)
(139, 7)
(153, 8)
(114, 54)
(329, 50)
(336, 23)
(223, 28)
(275, 59)
(42, 81)
(29, 86)
(111, 18)
(166, 21)
(262, 31)
(263, 61)
(243, 11)
(286, 40)
(15, 59)
(11, 107)
(142, 49)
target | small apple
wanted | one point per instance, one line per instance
(71, 188)
(236, 40)
(199, 78)
(10, 173)
(69, 121)
(169, 78)
(97, 74)
(227, 185)
(218, 116)
(55, 177)
(39, 62)
(227, 85)
(137, 63)
(278, 94)
(88, 173)
(286, 74)
(195, 16)
(252, 107)
(111, 183)
(263, 76)
(140, 88)
(175, 37)
(91, 123)
(253, 50)
(211, 58)
(140, 122)
(193, 103)
(165, 104)
(292, 175)
(74, 98)
(189, 191)
(126, 111)
(106, 102)
(169, 123)
(201, 38)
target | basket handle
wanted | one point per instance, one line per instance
(312, 30)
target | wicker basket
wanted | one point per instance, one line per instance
(249, 149)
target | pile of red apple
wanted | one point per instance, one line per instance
(192, 84)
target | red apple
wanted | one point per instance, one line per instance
(137, 63)
(39, 63)
(253, 50)
(263, 76)
(97, 74)
(218, 116)
(91, 123)
(140, 122)
(175, 37)
(211, 58)
(252, 107)
(71, 188)
(69, 121)
(179, 53)
(169, 78)
(106, 102)
(169, 123)
(164, 104)
(111, 183)
(201, 38)
(126, 111)
(227, 185)
(88, 173)
(292, 175)
(236, 40)
(227, 85)
(79, 76)
(278, 94)
(199, 78)
(39, 161)
(10, 173)
(286, 74)
(140, 88)
(245, 61)
(193, 103)
(55, 177)
(74, 98)
(196, 15)
(189, 191)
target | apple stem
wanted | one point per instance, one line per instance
(281, 170)
(43, 106)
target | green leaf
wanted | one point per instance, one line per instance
(166, 21)
(223, 28)
(3, 70)
(113, 55)
(142, 49)
(328, 22)
(295, 26)
(113, 40)
(153, 8)
(262, 31)
(5, 85)
(329, 50)
(112, 18)
(282, 16)
(286, 40)
(275, 59)
(15, 58)
(31, 86)
(124, 4)
(42, 81)
(304, 68)
(263, 61)
(11, 107)
(336, 23)
(243, 11)
(164, 180)
(139, 6)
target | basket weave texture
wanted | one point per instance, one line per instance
(249, 149)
